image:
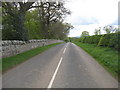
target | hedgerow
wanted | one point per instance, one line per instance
(107, 40)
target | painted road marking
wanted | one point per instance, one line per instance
(64, 50)
(66, 45)
(55, 73)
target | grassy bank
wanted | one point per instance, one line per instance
(12, 61)
(107, 57)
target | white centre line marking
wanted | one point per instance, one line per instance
(64, 50)
(55, 73)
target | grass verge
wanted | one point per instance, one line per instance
(107, 57)
(12, 61)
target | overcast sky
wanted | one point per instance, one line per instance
(90, 14)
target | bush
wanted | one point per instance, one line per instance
(110, 40)
(114, 41)
(91, 39)
(81, 39)
(96, 39)
(66, 40)
(104, 40)
(107, 40)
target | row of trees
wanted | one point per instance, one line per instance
(34, 20)
(110, 39)
(108, 29)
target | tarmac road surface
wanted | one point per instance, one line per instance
(63, 66)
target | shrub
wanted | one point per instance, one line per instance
(115, 41)
(106, 40)
(90, 39)
(81, 39)
(96, 39)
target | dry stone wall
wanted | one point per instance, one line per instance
(13, 47)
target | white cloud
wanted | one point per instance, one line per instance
(90, 14)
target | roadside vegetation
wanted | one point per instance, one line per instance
(34, 20)
(12, 61)
(103, 47)
(27, 20)
(106, 40)
(106, 56)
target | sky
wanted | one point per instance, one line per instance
(88, 15)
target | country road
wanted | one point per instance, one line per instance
(63, 66)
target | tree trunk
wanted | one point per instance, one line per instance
(21, 32)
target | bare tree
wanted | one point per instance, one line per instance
(109, 29)
(98, 31)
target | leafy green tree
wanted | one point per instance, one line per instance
(44, 22)
(32, 24)
(8, 31)
(59, 30)
(51, 13)
(16, 12)
(85, 33)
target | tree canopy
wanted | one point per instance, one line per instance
(34, 20)
(85, 33)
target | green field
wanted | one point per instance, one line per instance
(107, 57)
(12, 61)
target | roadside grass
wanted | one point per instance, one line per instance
(107, 57)
(12, 61)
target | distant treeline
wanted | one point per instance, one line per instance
(107, 40)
